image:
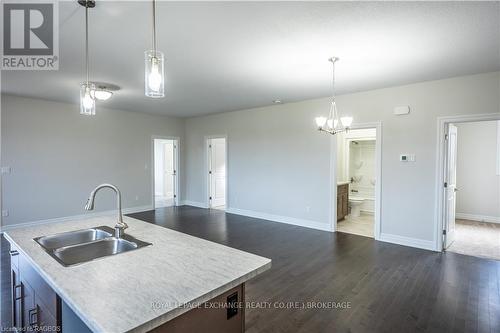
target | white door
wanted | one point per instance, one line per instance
(217, 171)
(451, 184)
(165, 164)
(170, 173)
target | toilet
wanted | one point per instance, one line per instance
(355, 204)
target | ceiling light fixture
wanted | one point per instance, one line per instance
(334, 123)
(154, 76)
(102, 94)
(87, 97)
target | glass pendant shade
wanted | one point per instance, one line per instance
(346, 121)
(87, 99)
(320, 121)
(154, 77)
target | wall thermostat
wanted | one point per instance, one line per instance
(407, 157)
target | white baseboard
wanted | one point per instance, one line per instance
(480, 218)
(75, 217)
(193, 203)
(408, 241)
(280, 219)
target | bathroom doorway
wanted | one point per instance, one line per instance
(358, 169)
(471, 187)
(165, 175)
(216, 172)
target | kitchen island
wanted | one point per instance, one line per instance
(157, 288)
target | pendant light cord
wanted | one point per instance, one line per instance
(333, 109)
(154, 28)
(87, 41)
(333, 81)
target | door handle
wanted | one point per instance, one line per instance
(33, 313)
(15, 288)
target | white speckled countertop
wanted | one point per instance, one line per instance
(116, 293)
(343, 183)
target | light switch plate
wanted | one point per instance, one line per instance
(5, 213)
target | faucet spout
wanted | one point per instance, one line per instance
(120, 225)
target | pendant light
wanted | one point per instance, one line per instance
(87, 89)
(153, 74)
(334, 123)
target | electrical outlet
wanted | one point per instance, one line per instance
(5, 213)
(232, 305)
(136, 198)
(308, 209)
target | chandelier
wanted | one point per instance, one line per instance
(334, 123)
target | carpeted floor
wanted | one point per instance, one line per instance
(479, 239)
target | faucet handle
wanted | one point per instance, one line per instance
(121, 225)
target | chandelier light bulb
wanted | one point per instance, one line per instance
(154, 79)
(87, 99)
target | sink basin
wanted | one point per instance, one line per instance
(76, 247)
(74, 237)
(75, 254)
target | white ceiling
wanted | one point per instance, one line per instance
(231, 55)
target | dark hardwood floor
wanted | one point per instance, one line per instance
(388, 288)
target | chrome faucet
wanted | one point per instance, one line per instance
(120, 226)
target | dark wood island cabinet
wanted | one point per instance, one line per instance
(35, 306)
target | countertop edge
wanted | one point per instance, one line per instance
(148, 325)
(158, 321)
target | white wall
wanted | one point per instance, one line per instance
(58, 156)
(477, 181)
(278, 163)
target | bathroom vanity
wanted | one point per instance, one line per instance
(174, 283)
(342, 200)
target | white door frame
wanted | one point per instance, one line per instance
(442, 125)
(378, 174)
(176, 167)
(207, 168)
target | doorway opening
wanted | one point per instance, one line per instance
(471, 188)
(358, 167)
(216, 172)
(165, 175)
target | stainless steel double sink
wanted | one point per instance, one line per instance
(75, 247)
